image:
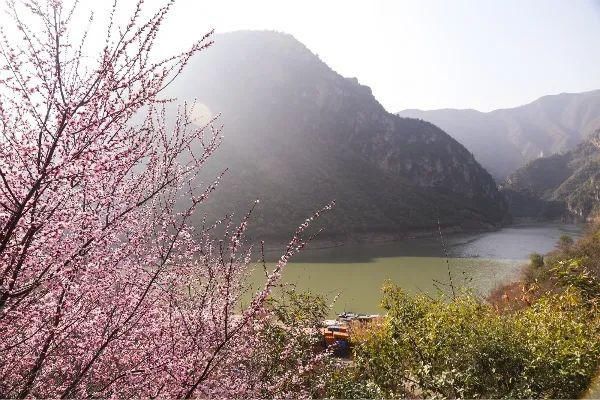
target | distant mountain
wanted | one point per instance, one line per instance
(504, 140)
(565, 184)
(298, 135)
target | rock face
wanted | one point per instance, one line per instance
(505, 140)
(562, 185)
(298, 135)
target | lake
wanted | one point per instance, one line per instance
(479, 262)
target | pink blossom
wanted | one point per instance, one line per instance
(106, 289)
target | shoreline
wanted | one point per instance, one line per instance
(380, 238)
(374, 237)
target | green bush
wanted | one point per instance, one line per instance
(464, 348)
(574, 273)
(565, 243)
(536, 260)
(344, 383)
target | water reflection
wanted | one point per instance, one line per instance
(513, 243)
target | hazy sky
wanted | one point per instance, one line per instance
(480, 54)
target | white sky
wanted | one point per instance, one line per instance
(428, 54)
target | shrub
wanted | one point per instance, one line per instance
(565, 242)
(346, 383)
(536, 260)
(464, 348)
(574, 273)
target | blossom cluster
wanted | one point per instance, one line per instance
(106, 288)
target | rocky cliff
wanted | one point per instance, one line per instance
(568, 183)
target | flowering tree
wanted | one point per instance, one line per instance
(105, 288)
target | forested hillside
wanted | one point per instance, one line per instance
(298, 135)
(562, 185)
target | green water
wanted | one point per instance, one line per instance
(479, 262)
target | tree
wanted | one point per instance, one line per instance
(105, 287)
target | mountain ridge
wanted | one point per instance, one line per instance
(505, 139)
(298, 135)
(541, 98)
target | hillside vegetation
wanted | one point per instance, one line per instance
(562, 185)
(298, 135)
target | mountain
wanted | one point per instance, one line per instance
(298, 135)
(504, 140)
(565, 184)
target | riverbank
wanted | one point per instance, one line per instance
(273, 248)
(539, 341)
(323, 242)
